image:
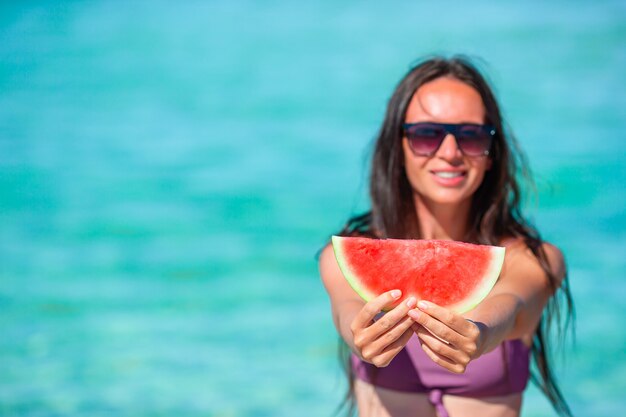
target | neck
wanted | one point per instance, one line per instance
(442, 221)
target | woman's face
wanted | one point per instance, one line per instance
(448, 176)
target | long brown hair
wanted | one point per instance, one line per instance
(495, 212)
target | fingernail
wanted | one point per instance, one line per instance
(396, 293)
(422, 305)
(415, 314)
(410, 302)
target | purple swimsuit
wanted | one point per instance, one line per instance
(503, 371)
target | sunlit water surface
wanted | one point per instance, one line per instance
(168, 172)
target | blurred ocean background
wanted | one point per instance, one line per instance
(168, 172)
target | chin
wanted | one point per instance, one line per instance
(447, 199)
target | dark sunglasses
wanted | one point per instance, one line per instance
(472, 139)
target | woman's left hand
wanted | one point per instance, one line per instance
(448, 338)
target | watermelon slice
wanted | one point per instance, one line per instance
(451, 274)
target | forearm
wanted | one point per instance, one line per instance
(496, 318)
(343, 317)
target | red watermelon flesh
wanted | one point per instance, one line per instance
(452, 274)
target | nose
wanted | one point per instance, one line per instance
(449, 150)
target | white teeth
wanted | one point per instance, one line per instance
(448, 174)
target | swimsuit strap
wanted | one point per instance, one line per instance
(435, 397)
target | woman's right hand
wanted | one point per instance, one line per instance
(379, 341)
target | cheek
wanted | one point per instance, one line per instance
(416, 176)
(405, 152)
(483, 168)
(412, 164)
(480, 171)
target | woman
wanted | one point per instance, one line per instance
(445, 168)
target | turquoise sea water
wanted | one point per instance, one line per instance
(168, 172)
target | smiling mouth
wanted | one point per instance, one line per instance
(448, 174)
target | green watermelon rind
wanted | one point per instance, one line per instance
(489, 280)
(471, 301)
(347, 272)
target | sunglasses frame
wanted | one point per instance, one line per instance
(453, 129)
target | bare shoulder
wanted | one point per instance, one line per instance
(329, 268)
(337, 287)
(556, 260)
(327, 259)
(521, 261)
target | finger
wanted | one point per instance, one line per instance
(450, 352)
(390, 337)
(455, 321)
(373, 307)
(434, 326)
(421, 330)
(393, 317)
(417, 327)
(380, 334)
(391, 351)
(442, 360)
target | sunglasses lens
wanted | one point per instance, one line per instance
(424, 139)
(474, 140)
